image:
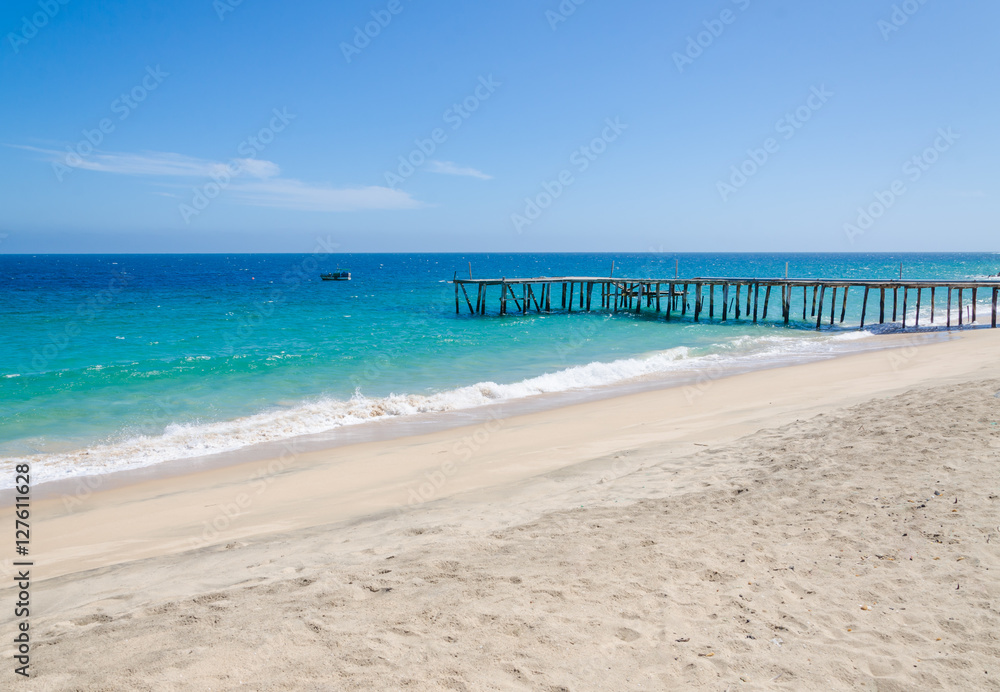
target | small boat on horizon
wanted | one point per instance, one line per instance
(336, 276)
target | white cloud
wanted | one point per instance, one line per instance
(158, 163)
(449, 168)
(287, 193)
(253, 182)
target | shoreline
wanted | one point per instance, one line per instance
(395, 427)
(161, 516)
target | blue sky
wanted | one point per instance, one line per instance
(725, 125)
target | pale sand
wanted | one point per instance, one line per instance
(598, 546)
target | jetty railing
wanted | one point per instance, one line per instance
(698, 296)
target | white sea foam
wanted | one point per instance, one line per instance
(180, 441)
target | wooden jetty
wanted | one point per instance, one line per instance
(730, 298)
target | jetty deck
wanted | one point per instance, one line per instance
(747, 298)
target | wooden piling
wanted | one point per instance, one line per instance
(961, 312)
(697, 301)
(895, 299)
(456, 292)
(904, 306)
(725, 300)
(993, 322)
(805, 302)
(819, 312)
(948, 321)
(815, 291)
(833, 306)
(975, 292)
(711, 301)
(916, 316)
(767, 297)
(786, 300)
(756, 300)
(737, 304)
(531, 292)
(881, 306)
(933, 289)
(864, 307)
(467, 301)
(843, 309)
(513, 297)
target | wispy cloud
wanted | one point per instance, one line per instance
(254, 182)
(449, 168)
(158, 163)
(287, 193)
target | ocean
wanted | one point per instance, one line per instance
(113, 362)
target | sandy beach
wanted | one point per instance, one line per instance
(832, 525)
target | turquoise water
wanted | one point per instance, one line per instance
(138, 359)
